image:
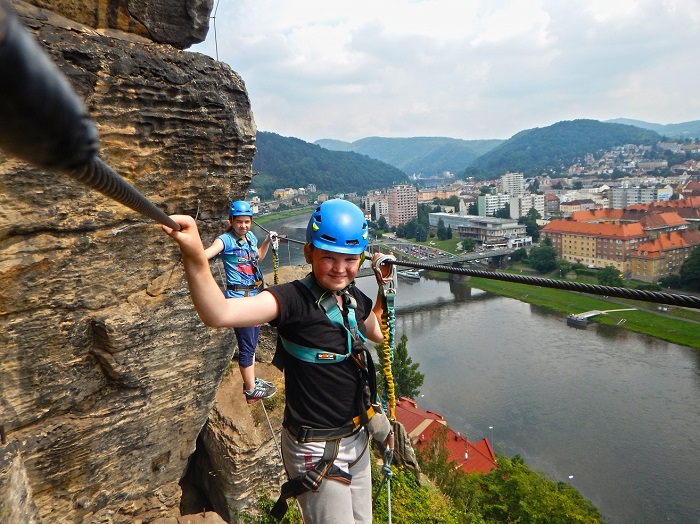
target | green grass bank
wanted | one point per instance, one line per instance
(677, 326)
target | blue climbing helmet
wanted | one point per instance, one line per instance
(338, 226)
(239, 208)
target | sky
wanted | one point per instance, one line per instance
(469, 69)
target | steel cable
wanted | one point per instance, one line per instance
(43, 121)
(673, 299)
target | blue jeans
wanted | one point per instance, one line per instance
(247, 338)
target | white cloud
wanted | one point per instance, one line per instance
(478, 69)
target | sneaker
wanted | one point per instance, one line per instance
(259, 381)
(262, 390)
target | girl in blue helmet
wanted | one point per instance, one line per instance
(328, 414)
(240, 255)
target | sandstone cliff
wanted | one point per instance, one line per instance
(107, 374)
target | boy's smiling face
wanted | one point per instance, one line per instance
(334, 271)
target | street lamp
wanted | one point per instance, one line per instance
(491, 431)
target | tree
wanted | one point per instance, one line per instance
(564, 267)
(529, 220)
(518, 254)
(407, 378)
(504, 212)
(543, 258)
(468, 245)
(441, 230)
(382, 223)
(610, 276)
(690, 270)
(421, 234)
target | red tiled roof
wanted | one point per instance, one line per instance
(590, 215)
(608, 230)
(667, 242)
(658, 220)
(423, 426)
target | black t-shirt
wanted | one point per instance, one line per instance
(321, 396)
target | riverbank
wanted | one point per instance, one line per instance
(288, 213)
(643, 320)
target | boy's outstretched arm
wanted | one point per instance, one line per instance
(211, 304)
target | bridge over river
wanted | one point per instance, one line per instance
(409, 251)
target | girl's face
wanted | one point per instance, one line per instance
(334, 271)
(241, 225)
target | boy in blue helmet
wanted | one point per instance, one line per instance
(328, 372)
(240, 254)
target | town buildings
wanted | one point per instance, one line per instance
(644, 242)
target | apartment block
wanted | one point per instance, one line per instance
(595, 244)
(513, 184)
(621, 197)
(662, 256)
(521, 205)
(402, 204)
(489, 204)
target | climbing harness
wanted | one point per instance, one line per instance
(311, 479)
(326, 300)
(45, 123)
(356, 350)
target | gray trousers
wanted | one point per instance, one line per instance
(335, 502)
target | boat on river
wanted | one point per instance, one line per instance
(412, 274)
(576, 321)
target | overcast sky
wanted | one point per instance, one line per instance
(469, 69)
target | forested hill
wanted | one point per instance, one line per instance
(538, 150)
(417, 155)
(291, 162)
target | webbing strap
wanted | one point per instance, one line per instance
(312, 355)
(311, 479)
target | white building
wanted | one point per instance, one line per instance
(513, 184)
(489, 204)
(484, 230)
(621, 197)
(520, 205)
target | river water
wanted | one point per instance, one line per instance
(614, 413)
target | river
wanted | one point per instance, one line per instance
(614, 413)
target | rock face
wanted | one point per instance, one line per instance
(179, 23)
(107, 376)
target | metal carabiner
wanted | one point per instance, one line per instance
(387, 277)
(274, 241)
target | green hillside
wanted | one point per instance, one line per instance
(417, 155)
(291, 162)
(553, 148)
